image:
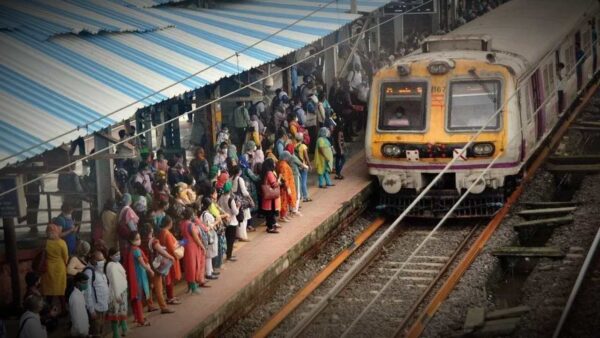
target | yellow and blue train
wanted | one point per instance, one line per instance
(527, 58)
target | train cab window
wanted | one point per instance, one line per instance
(403, 106)
(472, 103)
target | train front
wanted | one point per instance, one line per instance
(427, 107)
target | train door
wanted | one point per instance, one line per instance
(538, 99)
(561, 74)
(579, 55)
(528, 122)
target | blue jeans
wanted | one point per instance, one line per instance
(340, 160)
(324, 179)
(303, 184)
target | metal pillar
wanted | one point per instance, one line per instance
(104, 172)
(10, 242)
(355, 45)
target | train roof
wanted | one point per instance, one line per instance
(529, 28)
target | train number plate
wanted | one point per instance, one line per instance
(412, 155)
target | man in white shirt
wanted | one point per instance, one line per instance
(97, 295)
(80, 325)
(30, 325)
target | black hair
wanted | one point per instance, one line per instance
(206, 202)
(267, 166)
(31, 278)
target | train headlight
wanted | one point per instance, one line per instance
(483, 149)
(438, 68)
(391, 150)
(403, 70)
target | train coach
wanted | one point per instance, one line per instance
(527, 60)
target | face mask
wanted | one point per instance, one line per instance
(68, 216)
(116, 257)
(137, 242)
(224, 152)
(100, 264)
(83, 287)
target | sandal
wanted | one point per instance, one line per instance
(152, 309)
(145, 323)
(273, 231)
(307, 200)
(173, 301)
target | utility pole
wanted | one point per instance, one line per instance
(353, 7)
(10, 242)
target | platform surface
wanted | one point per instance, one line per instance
(256, 258)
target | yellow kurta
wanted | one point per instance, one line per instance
(54, 280)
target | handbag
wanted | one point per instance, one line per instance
(246, 202)
(269, 192)
(179, 251)
(161, 264)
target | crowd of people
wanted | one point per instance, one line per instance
(173, 220)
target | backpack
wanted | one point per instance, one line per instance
(94, 279)
(252, 108)
(301, 129)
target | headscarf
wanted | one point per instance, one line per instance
(227, 187)
(214, 171)
(53, 230)
(127, 199)
(285, 156)
(83, 248)
(323, 132)
(249, 146)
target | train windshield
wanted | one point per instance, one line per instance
(403, 106)
(472, 103)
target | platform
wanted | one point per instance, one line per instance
(263, 259)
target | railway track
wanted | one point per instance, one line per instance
(400, 284)
(389, 289)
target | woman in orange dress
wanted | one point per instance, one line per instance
(166, 239)
(288, 189)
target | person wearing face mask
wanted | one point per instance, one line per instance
(97, 294)
(80, 325)
(117, 282)
(220, 159)
(138, 269)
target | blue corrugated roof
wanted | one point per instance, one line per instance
(52, 82)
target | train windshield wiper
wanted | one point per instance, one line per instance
(483, 85)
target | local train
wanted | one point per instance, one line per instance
(522, 59)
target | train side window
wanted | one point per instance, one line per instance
(473, 103)
(403, 106)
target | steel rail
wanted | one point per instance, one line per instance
(418, 327)
(577, 286)
(310, 287)
(431, 286)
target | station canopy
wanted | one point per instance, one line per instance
(67, 63)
